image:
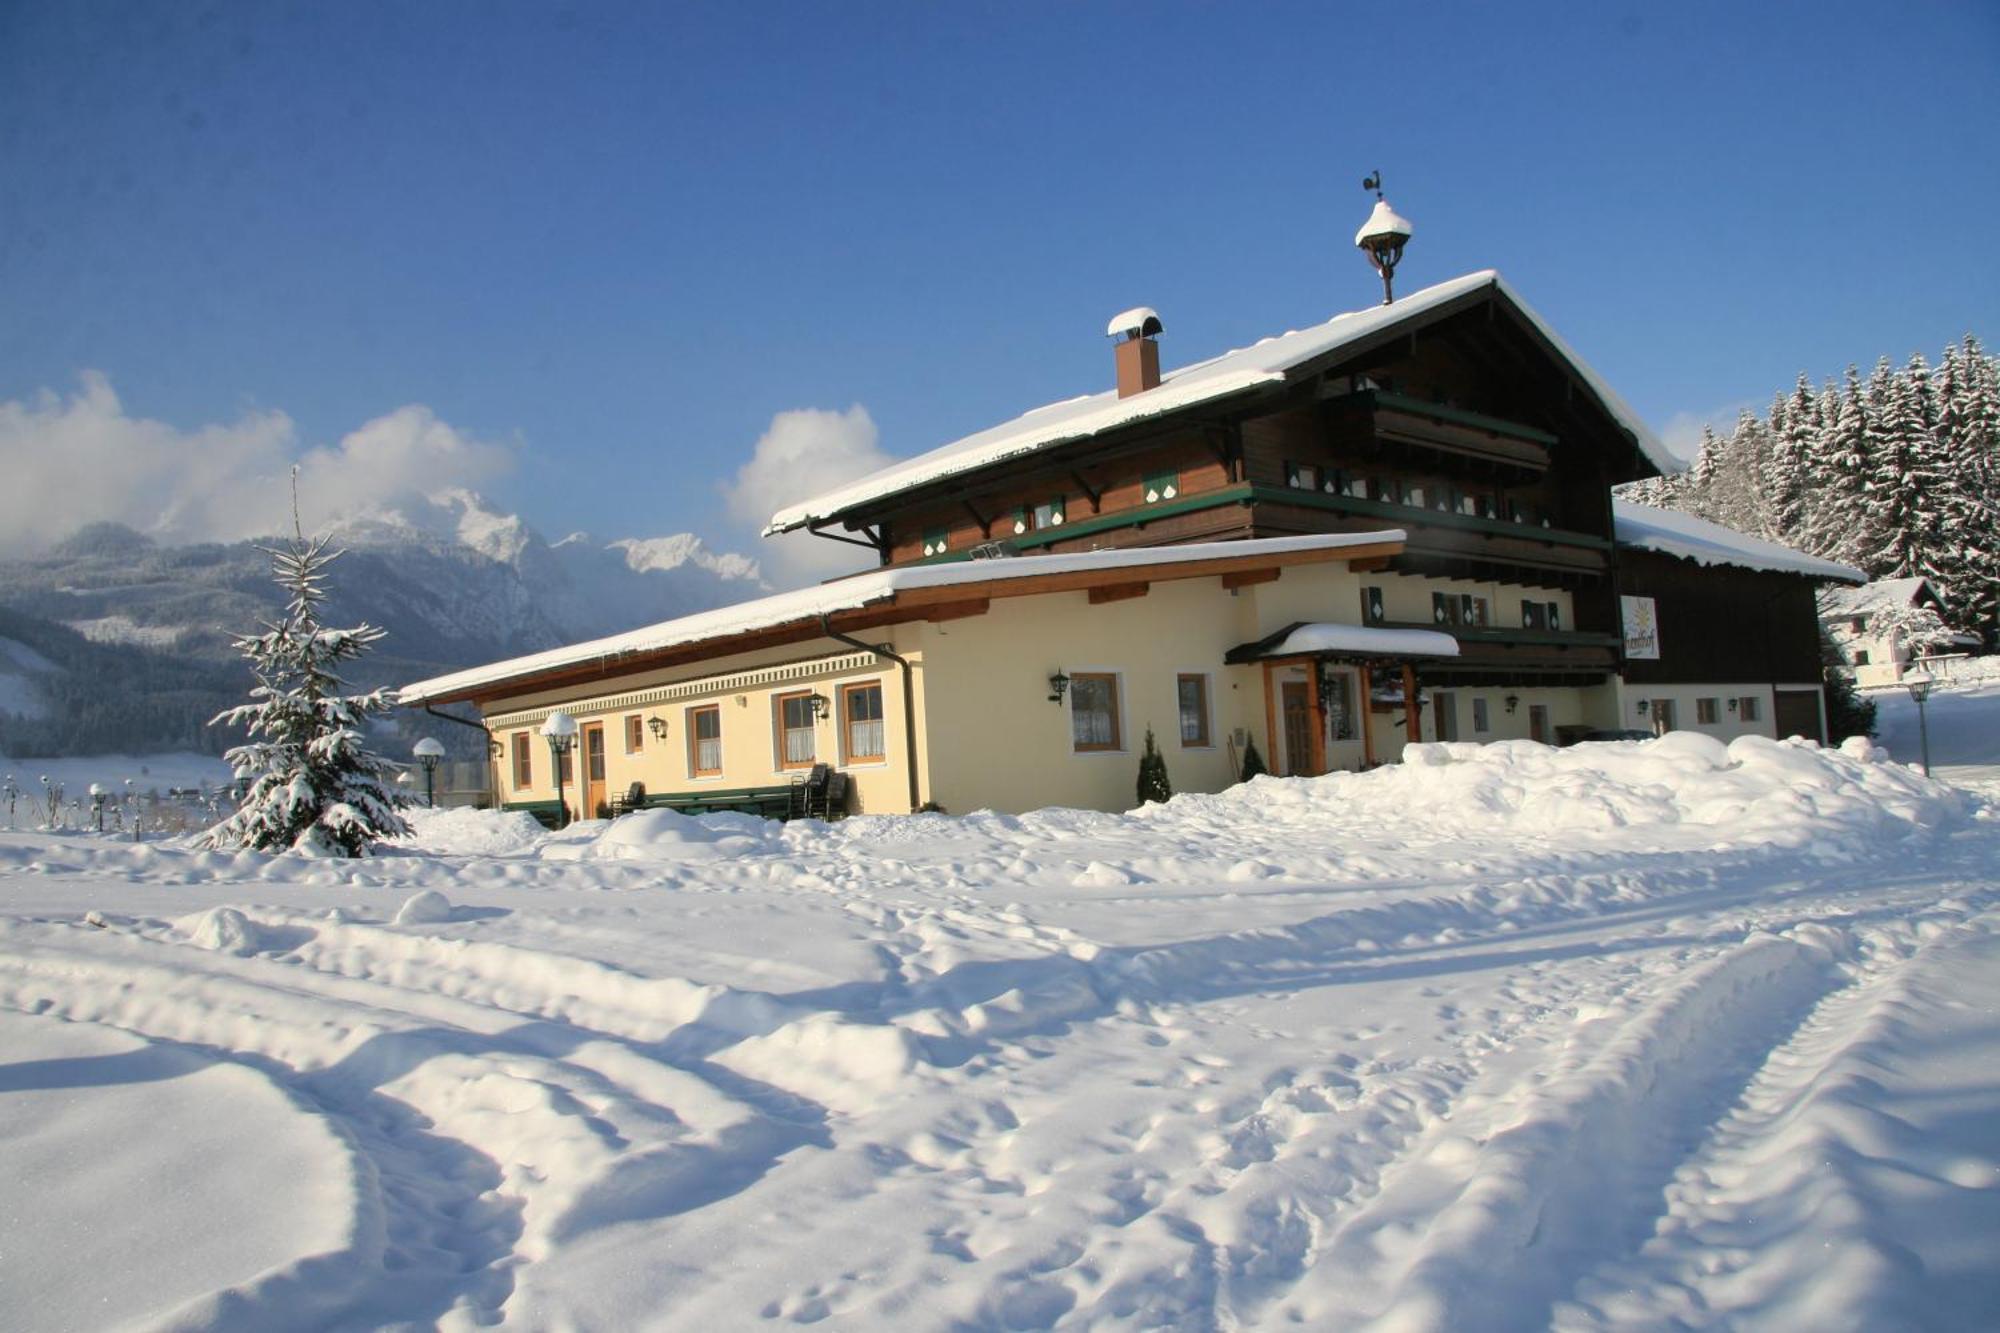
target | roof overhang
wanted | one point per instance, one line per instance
(888, 597)
(1265, 368)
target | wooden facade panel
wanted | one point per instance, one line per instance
(1120, 488)
(1718, 623)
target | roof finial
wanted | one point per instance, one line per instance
(1383, 236)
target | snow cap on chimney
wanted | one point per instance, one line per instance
(1138, 353)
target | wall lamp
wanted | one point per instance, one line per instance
(1513, 702)
(1732, 703)
(821, 705)
(1643, 706)
(1058, 686)
(658, 726)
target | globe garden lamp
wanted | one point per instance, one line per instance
(560, 732)
(430, 753)
(1919, 683)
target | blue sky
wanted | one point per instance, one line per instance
(619, 241)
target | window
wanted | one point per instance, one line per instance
(1337, 698)
(1413, 495)
(1468, 505)
(524, 764)
(1707, 712)
(1093, 711)
(1162, 486)
(1051, 515)
(1480, 721)
(1746, 708)
(936, 541)
(1357, 487)
(1193, 694)
(635, 734)
(1861, 657)
(861, 714)
(1302, 476)
(1473, 610)
(796, 734)
(705, 741)
(1371, 606)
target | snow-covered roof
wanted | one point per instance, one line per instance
(1673, 533)
(875, 586)
(1869, 598)
(1138, 319)
(1383, 221)
(1247, 368)
(1371, 639)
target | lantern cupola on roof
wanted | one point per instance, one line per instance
(1383, 237)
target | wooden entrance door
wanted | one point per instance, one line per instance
(1538, 723)
(1297, 700)
(1796, 713)
(593, 770)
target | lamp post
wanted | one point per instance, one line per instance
(1383, 237)
(560, 731)
(98, 796)
(430, 753)
(1919, 683)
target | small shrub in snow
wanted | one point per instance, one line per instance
(1253, 763)
(1153, 783)
(313, 783)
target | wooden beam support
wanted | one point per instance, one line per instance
(943, 611)
(1413, 721)
(1373, 564)
(1118, 592)
(985, 523)
(1250, 577)
(1091, 493)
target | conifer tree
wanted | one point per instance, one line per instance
(1153, 784)
(313, 784)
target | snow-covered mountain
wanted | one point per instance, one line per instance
(453, 580)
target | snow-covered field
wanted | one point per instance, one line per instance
(1651, 1035)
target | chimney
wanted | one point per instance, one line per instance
(1138, 352)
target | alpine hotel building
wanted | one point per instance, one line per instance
(1395, 526)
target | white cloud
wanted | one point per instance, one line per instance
(84, 459)
(1682, 433)
(802, 453)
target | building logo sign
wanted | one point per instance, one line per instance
(1642, 628)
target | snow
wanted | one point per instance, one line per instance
(1263, 363)
(147, 772)
(1383, 221)
(124, 629)
(1331, 638)
(863, 590)
(1671, 532)
(1127, 321)
(1634, 1034)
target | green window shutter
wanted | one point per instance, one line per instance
(936, 541)
(1162, 486)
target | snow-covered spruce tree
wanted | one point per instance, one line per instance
(314, 785)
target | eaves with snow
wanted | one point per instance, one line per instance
(884, 587)
(1261, 365)
(1671, 532)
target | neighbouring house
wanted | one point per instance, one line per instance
(1394, 526)
(1883, 628)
